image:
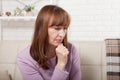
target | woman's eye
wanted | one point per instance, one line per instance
(65, 28)
(57, 28)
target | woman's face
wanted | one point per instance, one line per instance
(56, 35)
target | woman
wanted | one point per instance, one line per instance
(50, 56)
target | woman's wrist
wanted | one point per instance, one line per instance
(61, 66)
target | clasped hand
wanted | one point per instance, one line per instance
(62, 55)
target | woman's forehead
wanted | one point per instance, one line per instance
(58, 23)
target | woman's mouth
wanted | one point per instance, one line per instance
(59, 40)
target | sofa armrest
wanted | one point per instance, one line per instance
(4, 75)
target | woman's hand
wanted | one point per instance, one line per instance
(62, 55)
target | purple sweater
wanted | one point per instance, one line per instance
(31, 71)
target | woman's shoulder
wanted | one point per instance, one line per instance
(24, 56)
(71, 46)
(24, 52)
(73, 50)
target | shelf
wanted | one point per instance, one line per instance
(17, 17)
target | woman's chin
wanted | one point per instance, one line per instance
(56, 44)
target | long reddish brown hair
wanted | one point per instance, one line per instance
(48, 16)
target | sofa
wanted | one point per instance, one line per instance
(92, 58)
(4, 75)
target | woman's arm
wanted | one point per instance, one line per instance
(59, 74)
(30, 72)
(75, 73)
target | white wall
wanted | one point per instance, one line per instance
(90, 19)
(93, 19)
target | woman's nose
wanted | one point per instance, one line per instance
(62, 32)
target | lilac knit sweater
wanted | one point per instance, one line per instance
(31, 71)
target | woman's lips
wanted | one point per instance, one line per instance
(59, 40)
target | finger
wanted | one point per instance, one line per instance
(60, 45)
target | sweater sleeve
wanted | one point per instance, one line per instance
(75, 73)
(30, 71)
(59, 74)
